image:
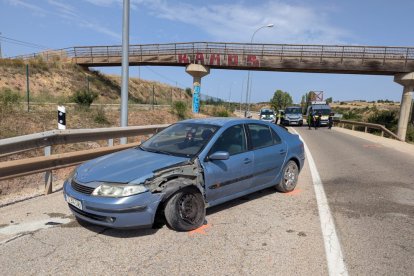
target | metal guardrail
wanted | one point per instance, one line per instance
(382, 128)
(70, 136)
(22, 167)
(382, 53)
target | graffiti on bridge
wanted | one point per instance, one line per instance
(219, 59)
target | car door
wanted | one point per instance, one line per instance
(226, 178)
(269, 154)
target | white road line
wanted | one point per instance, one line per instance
(334, 256)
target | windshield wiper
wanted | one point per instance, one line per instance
(155, 151)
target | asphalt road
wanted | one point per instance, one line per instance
(267, 233)
(369, 189)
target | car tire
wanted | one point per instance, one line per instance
(289, 179)
(185, 210)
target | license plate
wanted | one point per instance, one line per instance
(74, 202)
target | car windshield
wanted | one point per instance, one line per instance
(293, 111)
(323, 111)
(267, 112)
(182, 139)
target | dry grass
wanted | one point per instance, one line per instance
(56, 81)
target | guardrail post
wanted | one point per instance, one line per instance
(366, 129)
(353, 127)
(48, 174)
(110, 142)
(382, 133)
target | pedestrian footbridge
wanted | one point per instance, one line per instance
(376, 60)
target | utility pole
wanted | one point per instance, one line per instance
(27, 88)
(1, 54)
(125, 68)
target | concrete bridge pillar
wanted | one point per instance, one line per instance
(407, 81)
(197, 71)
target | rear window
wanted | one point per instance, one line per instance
(260, 136)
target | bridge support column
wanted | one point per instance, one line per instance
(197, 71)
(407, 81)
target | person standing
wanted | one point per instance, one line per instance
(317, 119)
(309, 119)
(330, 120)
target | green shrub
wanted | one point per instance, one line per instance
(84, 98)
(100, 117)
(220, 111)
(180, 108)
(385, 117)
(9, 98)
(352, 115)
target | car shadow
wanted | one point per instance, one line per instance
(118, 233)
(240, 200)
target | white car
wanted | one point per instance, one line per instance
(267, 115)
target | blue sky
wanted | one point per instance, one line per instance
(58, 24)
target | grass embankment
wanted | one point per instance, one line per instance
(56, 82)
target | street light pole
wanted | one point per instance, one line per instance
(125, 68)
(1, 54)
(248, 88)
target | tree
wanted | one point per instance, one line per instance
(189, 91)
(329, 100)
(281, 100)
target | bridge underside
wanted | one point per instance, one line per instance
(285, 64)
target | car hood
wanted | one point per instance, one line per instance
(131, 165)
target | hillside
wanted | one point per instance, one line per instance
(57, 81)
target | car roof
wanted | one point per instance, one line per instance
(221, 121)
(321, 106)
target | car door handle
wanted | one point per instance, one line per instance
(247, 161)
(282, 151)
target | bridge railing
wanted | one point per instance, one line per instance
(366, 126)
(381, 53)
(48, 139)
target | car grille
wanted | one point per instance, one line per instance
(81, 189)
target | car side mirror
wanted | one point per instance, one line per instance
(219, 155)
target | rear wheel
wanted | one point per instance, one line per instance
(185, 210)
(289, 179)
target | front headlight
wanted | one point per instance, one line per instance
(118, 190)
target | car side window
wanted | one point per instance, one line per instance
(260, 136)
(276, 138)
(232, 140)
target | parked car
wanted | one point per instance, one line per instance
(292, 116)
(267, 115)
(182, 170)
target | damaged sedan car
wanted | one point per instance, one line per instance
(184, 169)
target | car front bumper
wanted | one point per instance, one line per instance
(124, 212)
(293, 121)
